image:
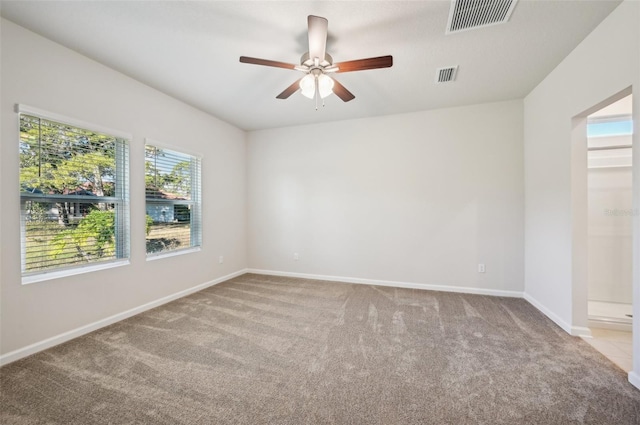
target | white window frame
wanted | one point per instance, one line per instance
(196, 201)
(123, 204)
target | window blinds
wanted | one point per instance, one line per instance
(74, 193)
(172, 188)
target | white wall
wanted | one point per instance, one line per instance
(42, 74)
(412, 198)
(604, 64)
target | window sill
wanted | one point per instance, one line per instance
(57, 274)
(175, 253)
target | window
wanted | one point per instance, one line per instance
(615, 125)
(172, 181)
(73, 195)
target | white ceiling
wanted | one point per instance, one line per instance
(190, 51)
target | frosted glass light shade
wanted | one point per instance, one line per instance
(308, 86)
(325, 85)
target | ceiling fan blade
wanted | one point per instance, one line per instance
(317, 37)
(289, 90)
(341, 91)
(266, 62)
(364, 64)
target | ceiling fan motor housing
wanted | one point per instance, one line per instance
(306, 60)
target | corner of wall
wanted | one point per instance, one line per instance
(567, 327)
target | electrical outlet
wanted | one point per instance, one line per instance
(481, 268)
(296, 257)
(221, 259)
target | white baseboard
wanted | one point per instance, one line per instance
(571, 330)
(634, 378)
(443, 288)
(74, 333)
(611, 325)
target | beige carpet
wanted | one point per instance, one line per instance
(271, 350)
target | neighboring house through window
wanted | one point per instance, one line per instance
(172, 181)
(73, 195)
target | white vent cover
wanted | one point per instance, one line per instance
(444, 75)
(469, 14)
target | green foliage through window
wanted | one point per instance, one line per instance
(92, 238)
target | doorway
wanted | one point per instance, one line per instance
(610, 231)
(610, 215)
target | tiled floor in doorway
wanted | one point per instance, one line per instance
(615, 345)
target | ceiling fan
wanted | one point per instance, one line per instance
(317, 64)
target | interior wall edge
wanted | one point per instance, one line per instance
(636, 232)
(83, 330)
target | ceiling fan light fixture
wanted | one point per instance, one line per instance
(308, 86)
(309, 82)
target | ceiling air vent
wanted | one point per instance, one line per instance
(469, 14)
(444, 75)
